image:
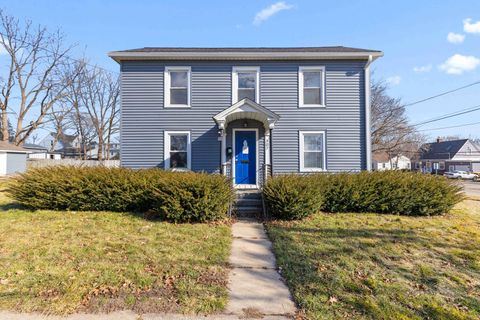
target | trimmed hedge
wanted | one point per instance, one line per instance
(392, 192)
(291, 197)
(173, 196)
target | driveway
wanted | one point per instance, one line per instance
(471, 188)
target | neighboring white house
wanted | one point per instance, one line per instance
(13, 159)
(381, 162)
(40, 152)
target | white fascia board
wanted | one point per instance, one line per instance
(119, 56)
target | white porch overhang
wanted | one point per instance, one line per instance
(246, 109)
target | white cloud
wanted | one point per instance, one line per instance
(458, 64)
(422, 69)
(453, 37)
(394, 80)
(471, 27)
(271, 10)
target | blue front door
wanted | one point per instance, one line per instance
(245, 157)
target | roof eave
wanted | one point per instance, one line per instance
(122, 55)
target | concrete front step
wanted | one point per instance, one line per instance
(248, 203)
(249, 195)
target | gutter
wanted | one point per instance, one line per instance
(368, 133)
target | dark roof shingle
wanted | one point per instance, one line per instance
(442, 150)
(251, 49)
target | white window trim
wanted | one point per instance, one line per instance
(167, 83)
(301, 70)
(235, 71)
(166, 150)
(302, 153)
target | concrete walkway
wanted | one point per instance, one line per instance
(255, 286)
(256, 289)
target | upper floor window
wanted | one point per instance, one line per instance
(312, 151)
(177, 149)
(177, 87)
(311, 86)
(245, 83)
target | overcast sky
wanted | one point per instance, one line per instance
(430, 46)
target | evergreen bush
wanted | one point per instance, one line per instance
(393, 192)
(174, 196)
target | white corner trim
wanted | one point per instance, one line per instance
(301, 69)
(166, 149)
(166, 87)
(368, 134)
(235, 71)
(302, 154)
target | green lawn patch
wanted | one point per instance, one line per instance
(377, 266)
(64, 262)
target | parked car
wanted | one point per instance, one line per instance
(456, 174)
(477, 177)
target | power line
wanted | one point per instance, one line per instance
(450, 127)
(449, 115)
(442, 94)
(66, 56)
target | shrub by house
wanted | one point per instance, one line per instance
(394, 192)
(174, 196)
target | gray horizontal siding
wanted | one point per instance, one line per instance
(144, 118)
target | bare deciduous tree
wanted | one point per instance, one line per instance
(100, 94)
(391, 131)
(36, 78)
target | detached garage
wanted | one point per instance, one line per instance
(13, 159)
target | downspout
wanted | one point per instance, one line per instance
(368, 135)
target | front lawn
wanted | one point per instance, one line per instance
(64, 262)
(371, 266)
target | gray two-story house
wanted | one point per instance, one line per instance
(246, 112)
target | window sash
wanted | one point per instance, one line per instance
(178, 156)
(238, 90)
(312, 159)
(311, 95)
(178, 95)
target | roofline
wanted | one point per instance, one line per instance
(14, 151)
(244, 55)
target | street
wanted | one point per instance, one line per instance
(471, 188)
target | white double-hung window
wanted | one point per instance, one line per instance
(245, 83)
(177, 87)
(177, 149)
(312, 151)
(311, 86)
